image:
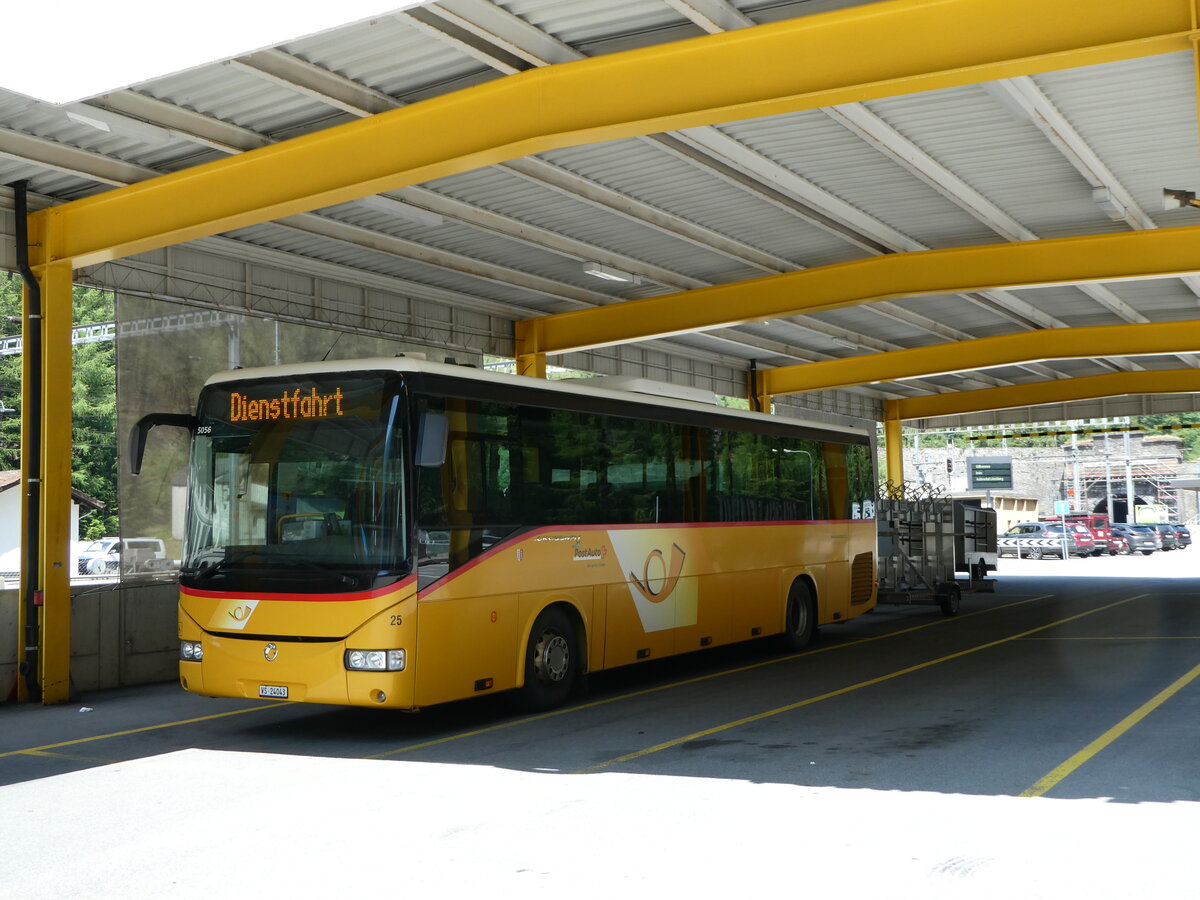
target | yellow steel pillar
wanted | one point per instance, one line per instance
(760, 399)
(893, 445)
(530, 360)
(27, 616)
(54, 508)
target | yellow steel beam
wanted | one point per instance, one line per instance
(867, 51)
(1093, 258)
(982, 353)
(1115, 384)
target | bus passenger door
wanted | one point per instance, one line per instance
(626, 639)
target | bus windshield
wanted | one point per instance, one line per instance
(297, 485)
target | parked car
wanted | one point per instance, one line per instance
(97, 549)
(131, 556)
(1034, 540)
(1097, 524)
(1182, 534)
(1118, 544)
(1141, 538)
(1166, 534)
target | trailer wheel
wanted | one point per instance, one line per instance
(949, 597)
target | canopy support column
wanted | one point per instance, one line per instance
(54, 449)
(893, 445)
(530, 360)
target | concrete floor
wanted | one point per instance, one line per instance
(887, 760)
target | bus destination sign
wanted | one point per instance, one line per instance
(989, 473)
(289, 405)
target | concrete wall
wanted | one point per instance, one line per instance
(120, 635)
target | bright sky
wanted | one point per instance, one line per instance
(74, 49)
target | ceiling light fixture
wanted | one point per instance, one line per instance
(608, 273)
(118, 124)
(88, 120)
(390, 205)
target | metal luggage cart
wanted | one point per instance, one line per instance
(925, 540)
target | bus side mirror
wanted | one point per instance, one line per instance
(137, 437)
(431, 440)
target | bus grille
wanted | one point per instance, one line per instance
(862, 578)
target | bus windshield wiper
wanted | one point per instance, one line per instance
(342, 577)
(217, 566)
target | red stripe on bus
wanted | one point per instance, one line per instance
(526, 536)
(303, 598)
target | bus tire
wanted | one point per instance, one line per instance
(551, 662)
(801, 617)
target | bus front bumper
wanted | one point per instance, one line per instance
(305, 672)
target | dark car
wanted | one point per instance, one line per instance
(1182, 534)
(1166, 534)
(1141, 538)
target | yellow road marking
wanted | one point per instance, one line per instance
(676, 684)
(779, 710)
(1126, 637)
(143, 729)
(34, 751)
(67, 756)
(1051, 779)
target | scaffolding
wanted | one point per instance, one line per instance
(1153, 482)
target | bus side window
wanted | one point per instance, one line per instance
(640, 471)
(837, 480)
(862, 480)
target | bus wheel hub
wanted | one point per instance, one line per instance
(553, 657)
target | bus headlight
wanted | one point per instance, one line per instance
(375, 660)
(192, 651)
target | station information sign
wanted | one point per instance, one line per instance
(989, 473)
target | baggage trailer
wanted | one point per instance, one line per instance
(925, 540)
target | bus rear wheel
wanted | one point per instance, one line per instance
(551, 662)
(801, 617)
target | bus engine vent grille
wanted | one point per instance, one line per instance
(862, 578)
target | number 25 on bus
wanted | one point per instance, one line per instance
(399, 533)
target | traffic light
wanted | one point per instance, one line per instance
(949, 466)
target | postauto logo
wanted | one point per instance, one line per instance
(663, 596)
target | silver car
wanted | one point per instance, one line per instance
(1141, 538)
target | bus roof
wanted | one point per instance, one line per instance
(577, 387)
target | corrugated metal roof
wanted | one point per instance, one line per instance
(651, 175)
(830, 157)
(387, 53)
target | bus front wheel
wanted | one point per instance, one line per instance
(801, 617)
(551, 662)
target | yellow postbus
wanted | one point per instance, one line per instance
(398, 533)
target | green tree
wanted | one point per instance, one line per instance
(94, 404)
(1189, 436)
